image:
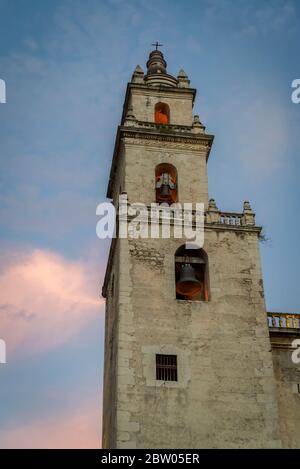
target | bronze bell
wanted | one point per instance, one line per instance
(188, 284)
(164, 191)
(164, 185)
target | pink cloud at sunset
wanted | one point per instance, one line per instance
(45, 299)
(79, 429)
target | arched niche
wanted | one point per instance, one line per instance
(166, 183)
(191, 274)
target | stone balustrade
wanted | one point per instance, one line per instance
(227, 218)
(211, 215)
(214, 215)
(284, 321)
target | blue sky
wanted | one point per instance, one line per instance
(66, 65)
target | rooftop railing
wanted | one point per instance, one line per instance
(227, 218)
(284, 321)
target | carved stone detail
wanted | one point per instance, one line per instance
(174, 143)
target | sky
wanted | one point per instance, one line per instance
(66, 65)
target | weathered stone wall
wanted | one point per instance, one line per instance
(180, 104)
(119, 177)
(287, 376)
(141, 158)
(111, 354)
(226, 393)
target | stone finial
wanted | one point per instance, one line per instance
(182, 74)
(156, 63)
(197, 127)
(248, 214)
(247, 206)
(138, 75)
(157, 74)
(212, 204)
(130, 118)
(212, 213)
(138, 69)
(183, 80)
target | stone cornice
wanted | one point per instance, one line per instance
(282, 340)
(239, 228)
(168, 136)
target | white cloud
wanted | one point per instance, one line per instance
(45, 300)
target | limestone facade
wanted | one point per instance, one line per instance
(233, 389)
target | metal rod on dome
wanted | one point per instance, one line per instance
(156, 45)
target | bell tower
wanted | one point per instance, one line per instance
(188, 361)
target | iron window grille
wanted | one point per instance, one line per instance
(166, 367)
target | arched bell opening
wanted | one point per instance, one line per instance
(191, 274)
(161, 113)
(166, 184)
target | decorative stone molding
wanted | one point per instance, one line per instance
(212, 213)
(241, 221)
(130, 119)
(138, 75)
(183, 80)
(248, 214)
(174, 141)
(197, 127)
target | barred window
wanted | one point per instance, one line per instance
(166, 367)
